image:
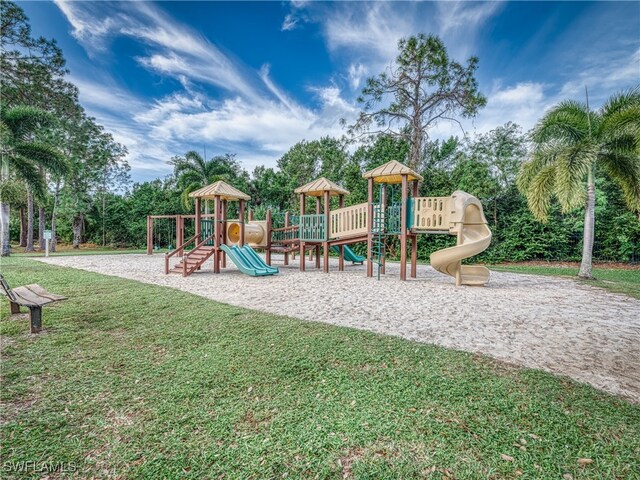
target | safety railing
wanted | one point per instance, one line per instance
(313, 228)
(206, 227)
(393, 221)
(179, 248)
(285, 234)
(349, 221)
(431, 213)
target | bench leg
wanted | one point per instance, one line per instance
(35, 315)
(15, 308)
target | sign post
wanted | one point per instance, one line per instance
(47, 239)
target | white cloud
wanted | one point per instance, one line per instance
(603, 76)
(368, 29)
(465, 16)
(280, 95)
(290, 22)
(271, 129)
(179, 52)
(356, 73)
(88, 29)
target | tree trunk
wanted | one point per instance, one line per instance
(589, 227)
(76, 226)
(23, 228)
(4, 229)
(30, 219)
(41, 228)
(104, 209)
(56, 199)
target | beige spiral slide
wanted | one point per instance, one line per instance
(467, 221)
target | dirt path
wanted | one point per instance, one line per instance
(550, 323)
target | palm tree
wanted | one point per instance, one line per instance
(193, 172)
(22, 155)
(568, 143)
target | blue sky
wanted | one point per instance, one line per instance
(254, 78)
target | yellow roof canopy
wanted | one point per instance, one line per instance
(319, 186)
(392, 172)
(221, 189)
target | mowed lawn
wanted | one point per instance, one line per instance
(137, 381)
(626, 281)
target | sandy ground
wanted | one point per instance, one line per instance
(550, 323)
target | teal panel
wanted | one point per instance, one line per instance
(207, 230)
(410, 216)
(313, 228)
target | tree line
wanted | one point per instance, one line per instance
(57, 161)
(588, 160)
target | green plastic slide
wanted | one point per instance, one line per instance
(248, 261)
(350, 255)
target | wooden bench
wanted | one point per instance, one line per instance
(31, 296)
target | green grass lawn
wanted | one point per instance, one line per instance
(139, 381)
(615, 280)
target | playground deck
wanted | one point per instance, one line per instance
(554, 324)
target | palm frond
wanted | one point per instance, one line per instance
(27, 171)
(621, 101)
(567, 122)
(572, 167)
(541, 191)
(24, 120)
(186, 200)
(43, 155)
(621, 119)
(542, 157)
(625, 171)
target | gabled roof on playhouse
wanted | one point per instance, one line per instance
(391, 172)
(319, 186)
(222, 189)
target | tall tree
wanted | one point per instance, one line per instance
(306, 161)
(32, 73)
(423, 87)
(503, 150)
(193, 172)
(90, 150)
(32, 70)
(569, 141)
(22, 155)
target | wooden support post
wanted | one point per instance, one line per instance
(383, 201)
(35, 317)
(177, 231)
(302, 256)
(370, 227)
(414, 243)
(341, 247)
(286, 224)
(180, 235)
(327, 229)
(317, 245)
(217, 209)
(223, 233)
(403, 230)
(149, 235)
(15, 308)
(198, 223)
(269, 228)
(241, 215)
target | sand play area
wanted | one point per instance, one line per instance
(554, 324)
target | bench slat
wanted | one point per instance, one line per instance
(26, 297)
(38, 290)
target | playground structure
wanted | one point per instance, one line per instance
(392, 209)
